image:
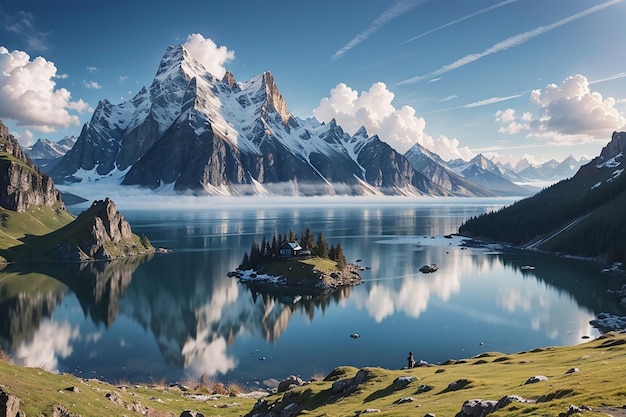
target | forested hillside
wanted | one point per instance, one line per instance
(582, 216)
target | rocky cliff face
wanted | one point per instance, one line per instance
(616, 146)
(21, 184)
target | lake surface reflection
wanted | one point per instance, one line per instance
(178, 315)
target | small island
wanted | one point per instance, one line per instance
(306, 263)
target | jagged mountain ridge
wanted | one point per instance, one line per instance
(195, 133)
(489, 175)
(46, 153)
(436, 169)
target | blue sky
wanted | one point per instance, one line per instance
(506, 78)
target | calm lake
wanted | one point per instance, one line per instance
(178, 315)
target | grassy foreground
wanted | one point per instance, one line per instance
(491, 376)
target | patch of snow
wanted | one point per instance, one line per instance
(612, 163)
(616, 174)
(596, 185)
(91, 176)
(250, 275)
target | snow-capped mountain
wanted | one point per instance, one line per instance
(46, 153)
(489, 175)
(436, 169)
(193, 132)
(552, 170)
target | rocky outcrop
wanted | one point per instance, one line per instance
(480, 408)
(9, 405)
(616, 146)
(22, 185)
(99, 233)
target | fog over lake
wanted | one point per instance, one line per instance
(178, 315)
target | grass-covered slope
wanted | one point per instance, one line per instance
(40, 393)
(36, 221)
(440, 390)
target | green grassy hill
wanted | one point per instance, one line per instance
(587, 376)
(36, 221)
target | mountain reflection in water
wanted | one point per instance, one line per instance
(178, 315)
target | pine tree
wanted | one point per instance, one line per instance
(274, 248)
(245, 263)
(341, 257)
(265, 248)
(307, 241)
(255, 253)
(321, 249)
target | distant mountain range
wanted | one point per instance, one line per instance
(46, 153)
(582, 215)
(190, 132)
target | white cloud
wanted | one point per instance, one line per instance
(25, 138)
(567, 113)
(91, 69)
(509, 123)
(206, 51)
(92, 85)
(400, 128)
(28, 93)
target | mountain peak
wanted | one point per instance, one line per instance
(177, 59)
(615, 146)
(229, 79)
(274, 100)
(361, 132)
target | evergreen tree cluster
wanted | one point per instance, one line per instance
(267, 250)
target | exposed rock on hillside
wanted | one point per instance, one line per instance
(100, 232)
(21, 184)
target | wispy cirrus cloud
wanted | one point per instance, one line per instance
(459, 20)
(491, 100)
(609, 78)
(394, 11)
(23, 23)
(509, 43)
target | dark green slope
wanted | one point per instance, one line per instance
(581, 216)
